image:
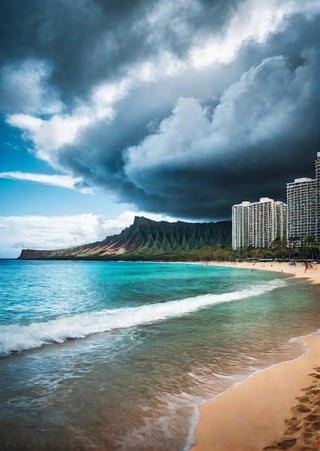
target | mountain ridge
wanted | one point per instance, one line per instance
(144, 238)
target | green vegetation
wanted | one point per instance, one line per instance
(147, 240)
(278, 251)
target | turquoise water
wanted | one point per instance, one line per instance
(118, 356)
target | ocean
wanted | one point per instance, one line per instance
(120, 355)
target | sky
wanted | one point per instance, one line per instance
(171, 110)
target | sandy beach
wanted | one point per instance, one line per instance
(275, 409)
(298, 270)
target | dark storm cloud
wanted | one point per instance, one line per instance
(263, 133)
(83, 41)
(99, 153)
(90, 41)
(206, 153)
(190, 145)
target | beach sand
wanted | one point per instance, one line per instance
(275, 409)
(298, 270)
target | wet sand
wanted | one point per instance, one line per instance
(275, 409)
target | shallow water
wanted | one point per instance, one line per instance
(98, 355)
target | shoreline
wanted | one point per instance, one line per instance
(275, 408)
(311, 274)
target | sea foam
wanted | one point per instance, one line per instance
(17, 337)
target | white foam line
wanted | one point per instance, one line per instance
(21, 337)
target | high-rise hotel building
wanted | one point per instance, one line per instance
(258, 224)
(303, 198)
(240, 225)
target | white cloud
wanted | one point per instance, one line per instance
(24, 88)
(125, 219)
(49, 135)
(264, 103)
(57, 232)
(25, 122)
(41, 232)
(61, 181)
(106, 95)
(174, 141)
(253, 20)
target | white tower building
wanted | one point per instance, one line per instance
(303, 198)
(258, 224)
(240, 236)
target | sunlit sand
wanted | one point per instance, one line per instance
(275, 409)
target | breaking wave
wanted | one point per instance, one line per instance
(22, 337)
